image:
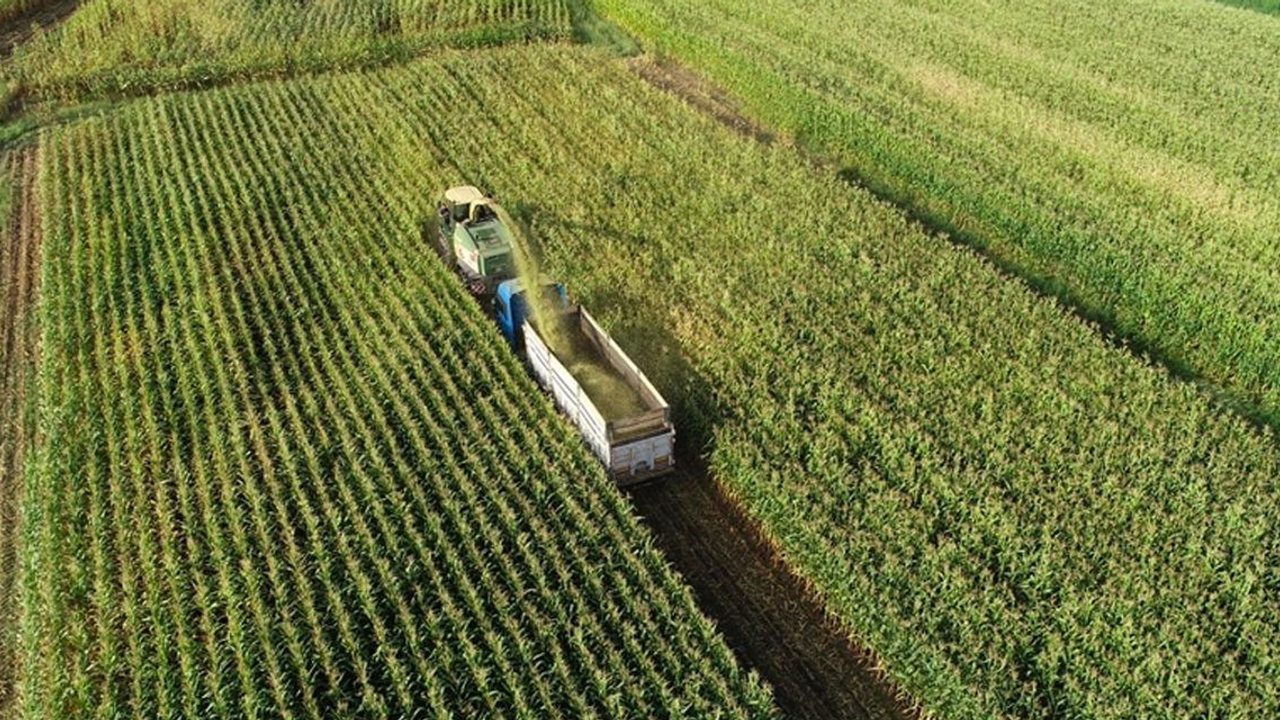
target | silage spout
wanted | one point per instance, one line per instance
(544, 314)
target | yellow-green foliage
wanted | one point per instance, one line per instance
(123, 46)
(1123, 156)
(288, 467)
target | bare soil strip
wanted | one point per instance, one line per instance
(771, 617)
(20, 29)
(19, 282)
(702, 95)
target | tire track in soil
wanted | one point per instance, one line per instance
(19, 284)
(772, 619)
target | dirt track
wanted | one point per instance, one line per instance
(20, 29)
(19, 280)
(770, 618)
(702, 95)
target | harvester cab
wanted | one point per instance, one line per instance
(474, 239)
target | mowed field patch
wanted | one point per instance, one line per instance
(19, 349)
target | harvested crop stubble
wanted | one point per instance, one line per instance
(610, 393)
(1123, 156)
(309, 478)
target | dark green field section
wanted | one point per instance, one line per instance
(1122, 157)
(288, 469)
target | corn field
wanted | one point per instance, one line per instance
(311, 481)
(1121, 156)
(112, 47)
(1021, 519)
(287, 467)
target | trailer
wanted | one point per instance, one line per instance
(621, 415)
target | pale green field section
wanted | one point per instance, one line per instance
(1124, 157)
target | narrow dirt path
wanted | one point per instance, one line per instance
(19, 283)
(769, 616)
(20, 29)
(701, 95)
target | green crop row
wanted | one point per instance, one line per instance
(1124, 157)
(115, 47)
(1019, 518)
(287, 468)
